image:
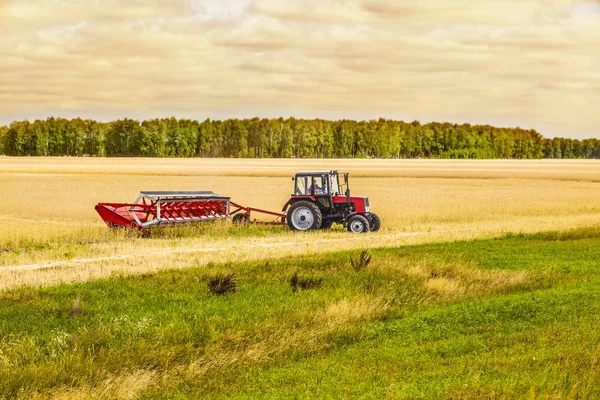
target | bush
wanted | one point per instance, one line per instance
(304, 283)
(222, 284)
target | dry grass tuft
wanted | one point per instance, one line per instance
(454, 279)
(345, 312)
(127, 386)
(445, 285)
(361, 262)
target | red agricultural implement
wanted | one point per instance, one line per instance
(317, 203)
(161, 208)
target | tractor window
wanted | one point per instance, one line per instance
(335, 187)
(319, 185)
(301, 186)
(311, 185)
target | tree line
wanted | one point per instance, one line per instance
(283, 138)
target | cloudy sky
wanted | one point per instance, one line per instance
(528, 63)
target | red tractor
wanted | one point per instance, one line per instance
(321, 199)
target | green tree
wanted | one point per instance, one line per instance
(17, 140)
(171, 137)
(122, 138)
(3, 133)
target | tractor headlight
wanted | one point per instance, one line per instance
(367, 206)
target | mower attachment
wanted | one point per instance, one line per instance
(158, 208)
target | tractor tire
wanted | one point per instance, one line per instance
(326, 225)
(374, 222)
(358, 224)
(303, 216)
(240, 218)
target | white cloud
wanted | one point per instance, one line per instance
(222, 9)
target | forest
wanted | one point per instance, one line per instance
(283, 138)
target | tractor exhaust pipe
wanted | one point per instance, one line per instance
(347, 188)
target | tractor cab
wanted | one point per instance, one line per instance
(322, 198)
(320, 184)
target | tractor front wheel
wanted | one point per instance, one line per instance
(304, 215)
(358, 224)
(374, 222)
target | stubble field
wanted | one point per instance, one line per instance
(47, 217)
(483, 283)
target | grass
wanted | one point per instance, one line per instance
(449, 305)
(510, 317)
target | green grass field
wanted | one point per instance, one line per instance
(514, 317)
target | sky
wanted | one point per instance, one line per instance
(528, 63)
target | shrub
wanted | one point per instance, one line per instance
(222, 284)
(304, 283)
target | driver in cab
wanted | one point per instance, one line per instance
(316, 188)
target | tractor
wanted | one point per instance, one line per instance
(321, 199)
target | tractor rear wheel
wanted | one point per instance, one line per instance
(374, 222)
(358, 224)
(304, 215)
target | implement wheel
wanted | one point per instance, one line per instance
(374, 222)
(358, 224)
(240, 218)
(304, 215)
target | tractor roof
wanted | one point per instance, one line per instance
(316, 173)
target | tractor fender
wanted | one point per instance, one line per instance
(346, 218)
(286, 205)
(352, 214)
(295, 199)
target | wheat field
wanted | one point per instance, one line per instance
(50, 233)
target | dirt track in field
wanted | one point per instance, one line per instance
(66, 263)
(144, 257)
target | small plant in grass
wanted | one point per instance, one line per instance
(222, 284)
(362, 261)
(436, 275)
(77, 306)
(298, 282)
(371, 286)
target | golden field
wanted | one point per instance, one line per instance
(49, 231)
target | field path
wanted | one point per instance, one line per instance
(186, 250)
(143, 257)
